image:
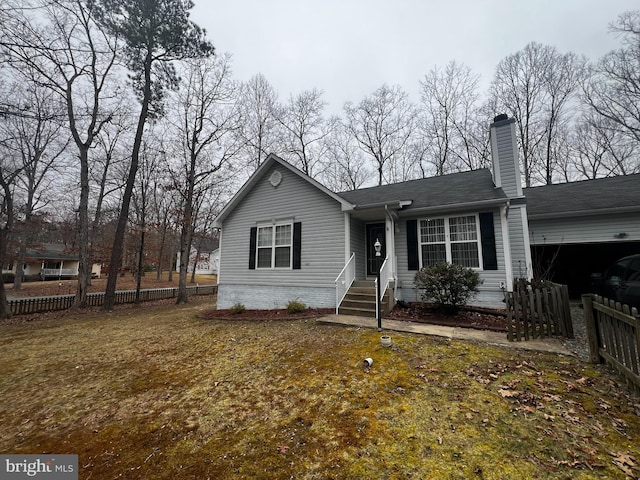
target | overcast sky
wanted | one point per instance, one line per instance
(349, 48)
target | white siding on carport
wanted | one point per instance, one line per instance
(585, 229)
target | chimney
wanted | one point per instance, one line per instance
(504, 156)
(506, 175)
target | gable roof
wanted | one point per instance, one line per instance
(51, 251)
(456, 190)
(601, 196)
(258, 174)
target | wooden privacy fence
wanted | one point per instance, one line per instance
(613, 336)
(21, 306)
(538, 312)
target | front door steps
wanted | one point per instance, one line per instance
(360, 300)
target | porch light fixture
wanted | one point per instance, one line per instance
(378, 247)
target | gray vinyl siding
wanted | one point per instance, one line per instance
(490, 293)
(358, 245)
(520, 249)
(322, 255)
(585, 229)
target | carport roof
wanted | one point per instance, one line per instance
(588, 197)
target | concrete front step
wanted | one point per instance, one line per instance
(361, 300)
(359, 312)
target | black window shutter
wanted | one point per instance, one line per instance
(297, 245)
(488, 239)
(252, 248)
(412, 245)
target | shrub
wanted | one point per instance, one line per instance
(8, 277)
(448, 286)
(295, 306)
(237, 308)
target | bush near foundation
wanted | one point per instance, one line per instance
(449, 287)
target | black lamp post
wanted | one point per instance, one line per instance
(378, 247)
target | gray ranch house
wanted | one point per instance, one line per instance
(284, 236)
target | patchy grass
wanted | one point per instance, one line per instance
(127, 282)
(159, 393)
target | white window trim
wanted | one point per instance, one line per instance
(273, 245)
(447, 238)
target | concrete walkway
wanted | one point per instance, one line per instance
(551, 345)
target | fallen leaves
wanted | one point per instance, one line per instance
(625, 462)
(508, 393)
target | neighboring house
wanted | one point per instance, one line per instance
(284, 236)
(206, 262)
(583, 227)
(50, 261)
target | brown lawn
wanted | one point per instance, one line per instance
(127, 282)
(155, 392)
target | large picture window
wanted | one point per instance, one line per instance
(451, 239)
(274, 244)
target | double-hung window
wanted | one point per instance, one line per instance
(451, 239)
(274, 246)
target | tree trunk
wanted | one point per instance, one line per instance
(140, 267)
(19, 275)
(5, 311)
(123, 217)
(195, 262)
(84, 269)
(185, 242)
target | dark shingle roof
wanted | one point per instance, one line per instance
(453, 189)
(51, 252)
(600, 196)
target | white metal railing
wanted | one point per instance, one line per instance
(385, 278)
(345, 279)
(59, 272)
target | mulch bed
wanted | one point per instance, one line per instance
(481, 319)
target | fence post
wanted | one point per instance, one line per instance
(567, 312)
(592, 331)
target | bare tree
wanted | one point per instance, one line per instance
(562, 79)
(258, 132)
(141, 199)
(39, 141)
(614, 90)
(206, 124)
(154, 34)
(347, 168)
(601, 149)
(536, 86)
(382, 124)
(59, 46)
(164, 212)
(10, 169)
(449, 118)
(304, 131)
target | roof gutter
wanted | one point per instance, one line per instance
(395, 204)
(469, 206)
(584, 213)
